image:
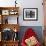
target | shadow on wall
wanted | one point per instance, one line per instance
(37, 29)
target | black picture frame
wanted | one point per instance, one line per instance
(30, 14)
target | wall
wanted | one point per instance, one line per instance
(26, 4)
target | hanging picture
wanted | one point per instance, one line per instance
(30, 14)
(5, 12)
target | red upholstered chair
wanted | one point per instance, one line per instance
(29, 33)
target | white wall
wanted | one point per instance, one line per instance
(31, 4)
(26, 4)
(7, 3)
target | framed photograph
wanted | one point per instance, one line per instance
(30, 14)
(5, 12)
(13, 12)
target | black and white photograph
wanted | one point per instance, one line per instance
(30, 14)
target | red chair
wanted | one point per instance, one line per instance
(29, 33)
